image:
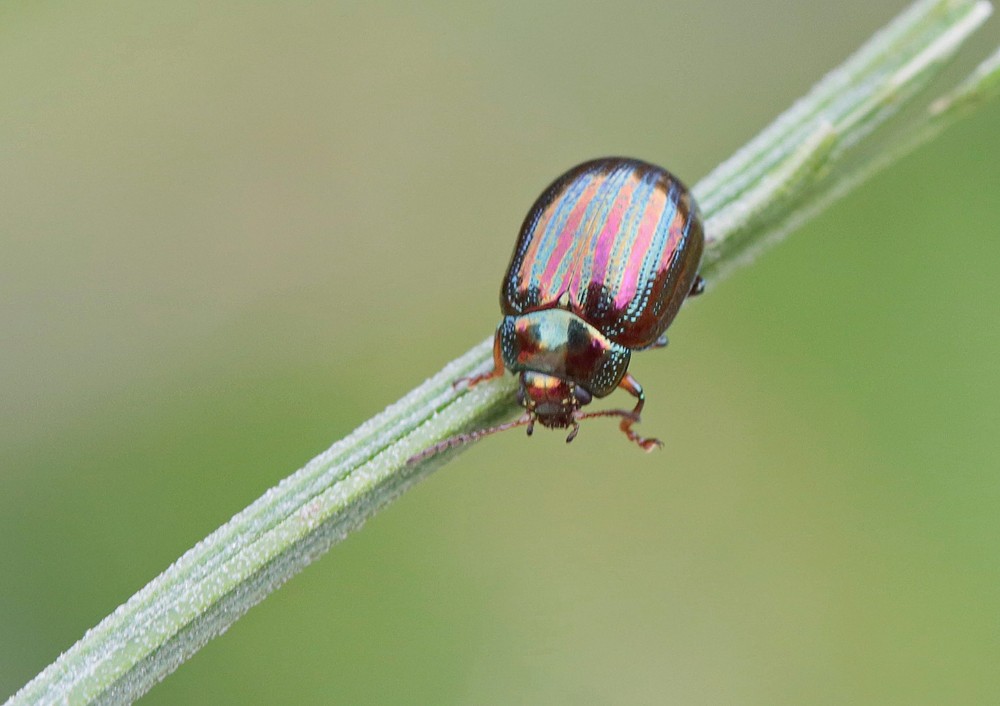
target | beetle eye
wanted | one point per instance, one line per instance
(581, 395)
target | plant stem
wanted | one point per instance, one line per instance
(821, 148)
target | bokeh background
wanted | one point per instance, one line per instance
(231, 232)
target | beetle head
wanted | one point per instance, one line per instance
(552, 401)
(548, 400)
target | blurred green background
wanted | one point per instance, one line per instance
(231, 232)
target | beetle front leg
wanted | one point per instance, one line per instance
(632, 386)
(498, 367)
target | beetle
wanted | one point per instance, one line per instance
(603, 262)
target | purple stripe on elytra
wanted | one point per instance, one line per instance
(644, 265)
(549, 240)
(582, 276)
(561, 261)
(623, 284)
(608, 241)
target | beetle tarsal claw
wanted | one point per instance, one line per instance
(648, 445)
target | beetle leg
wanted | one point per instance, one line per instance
(698, 287)
(576, 430)
(660, 342)
(498, 368)
(632, 386)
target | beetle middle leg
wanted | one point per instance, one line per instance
(660, 342)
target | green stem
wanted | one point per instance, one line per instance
(821, 148)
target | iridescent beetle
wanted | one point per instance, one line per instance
(605, 258)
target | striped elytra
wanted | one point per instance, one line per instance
(603, 262)
(620, 239)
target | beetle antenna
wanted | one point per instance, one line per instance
(468, 438)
